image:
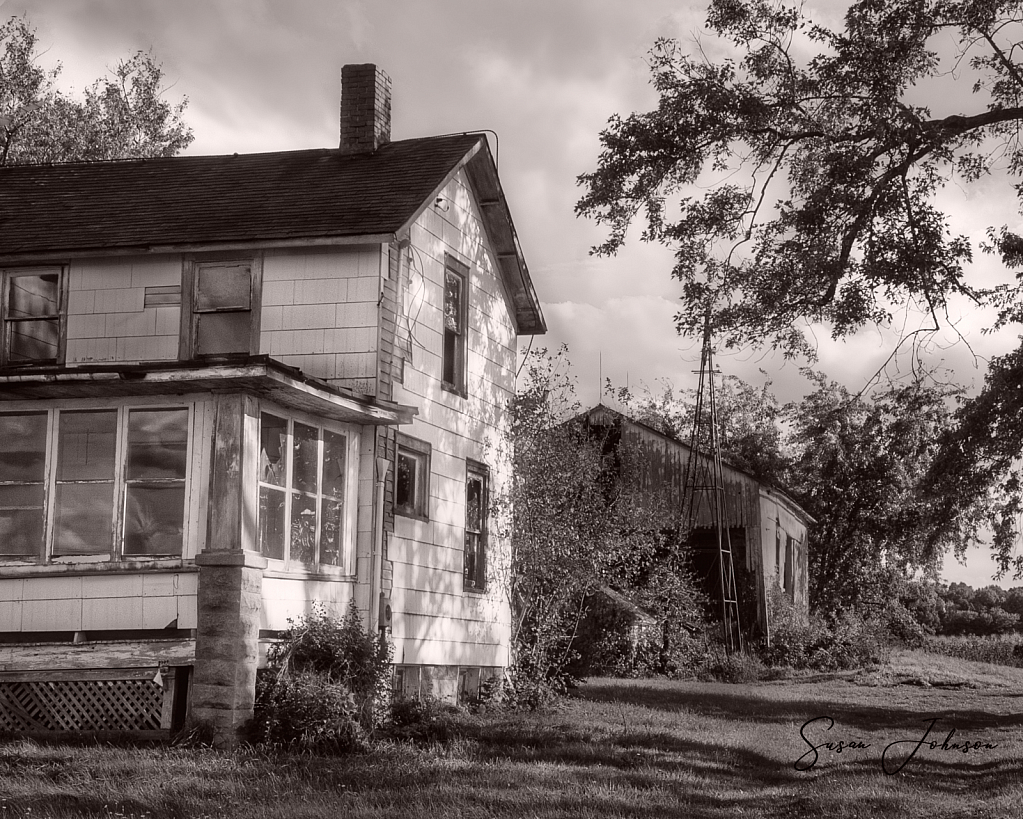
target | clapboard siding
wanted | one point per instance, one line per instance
(436, 621)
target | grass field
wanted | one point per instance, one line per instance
(619, 749)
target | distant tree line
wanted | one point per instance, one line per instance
(954, 609)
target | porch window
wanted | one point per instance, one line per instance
(115, 479)
(476, 499)
(32, 306)
(303, 485)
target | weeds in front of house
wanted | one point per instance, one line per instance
(325, 686)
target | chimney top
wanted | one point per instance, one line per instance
(365, 108)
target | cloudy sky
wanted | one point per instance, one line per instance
(545, 75)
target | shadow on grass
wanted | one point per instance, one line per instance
(754, 704)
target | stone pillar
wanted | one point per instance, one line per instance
(227, 642)
(230, 577)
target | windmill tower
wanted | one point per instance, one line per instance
(703, 497)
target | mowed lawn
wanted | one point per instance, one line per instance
(619, 749)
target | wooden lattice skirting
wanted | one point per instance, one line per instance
(135, 701)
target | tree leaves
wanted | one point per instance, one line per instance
(120, 116)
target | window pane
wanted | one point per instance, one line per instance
(21, 520)
(405, 481)
(474, 503)
(85, 446)
(471, 555)
(332, 531)
(33, 340)
(335, 448)
(271, 522)
(22, 447)
(303, 528)
(223, 287)
(83, 517)
(223, 333)
(154, 519)
(273, 438)
(452, 302)
(33, 296)
(157, 444)
(306, 458)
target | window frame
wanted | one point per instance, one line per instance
(421, 452)
(115, 550)
(477, 582)
(459, 349)
(190, 313)
(6, 322)
(347, 566)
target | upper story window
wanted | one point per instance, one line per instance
(305, 477)
(412, 478)
(456, 278)
(32, 315)
(95, 482)
(477, 479)
(221, 316)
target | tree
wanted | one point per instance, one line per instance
(820, 161)
(859, 470)
(797, 178)
(120, 116)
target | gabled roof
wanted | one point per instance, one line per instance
(284, 197)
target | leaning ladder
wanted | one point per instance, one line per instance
(704, 488)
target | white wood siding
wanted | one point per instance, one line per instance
(435, 621)
(107, 319)
(320, 313)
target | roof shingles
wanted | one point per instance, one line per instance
(202, 200)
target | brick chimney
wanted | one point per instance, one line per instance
(365, 108)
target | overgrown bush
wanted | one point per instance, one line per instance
(325, 685)
(421, 719)
(812, 643)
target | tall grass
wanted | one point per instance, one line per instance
(1002, 649)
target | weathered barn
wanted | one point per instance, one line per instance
(204, 363)
(766, 527)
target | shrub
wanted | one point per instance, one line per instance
(325, 685)
(422, 719)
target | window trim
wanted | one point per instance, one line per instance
(286, 566)
(477, 584)
(6, 274)
(458, 385)
(188, 341)
(420, 509)
(114, 553)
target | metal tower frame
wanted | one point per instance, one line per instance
(704, 487)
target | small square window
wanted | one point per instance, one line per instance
(412, 478)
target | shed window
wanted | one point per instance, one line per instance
(116, 481)
(412, 478)
(303, 486)
(476, 500)
(32, 316)
(455, 315)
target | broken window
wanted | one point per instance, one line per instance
(455, 314)
(412, 478)
(222, 308)
(476, 480)
(32, 316)
(303, 484)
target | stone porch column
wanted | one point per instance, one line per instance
(230, 577)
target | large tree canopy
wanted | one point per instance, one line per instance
(120, 116)
(818, 155)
